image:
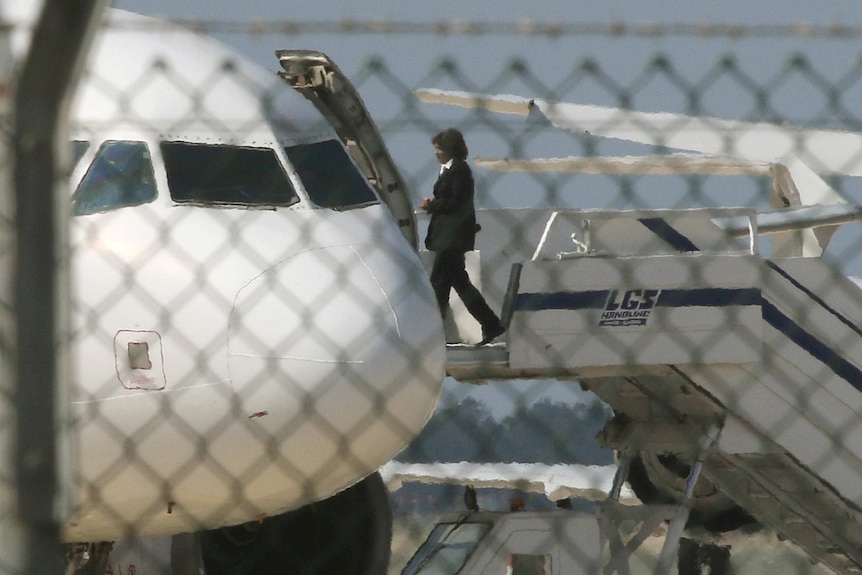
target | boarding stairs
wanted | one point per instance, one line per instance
(751, 367)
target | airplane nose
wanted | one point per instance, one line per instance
(338, 354)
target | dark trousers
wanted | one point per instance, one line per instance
(449, 272)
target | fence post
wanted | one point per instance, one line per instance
(60, 38)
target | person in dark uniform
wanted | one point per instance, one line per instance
(452, 232)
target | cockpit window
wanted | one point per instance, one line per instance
(121, 175)
(220, 175)
(329, 177)
(79, 148)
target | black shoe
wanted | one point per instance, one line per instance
(489, 335)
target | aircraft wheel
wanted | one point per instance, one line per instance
(660, 479)
(350, 534)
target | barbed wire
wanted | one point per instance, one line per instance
(527, 27)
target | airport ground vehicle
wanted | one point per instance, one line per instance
(524, 542)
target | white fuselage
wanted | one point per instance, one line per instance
(232, 357)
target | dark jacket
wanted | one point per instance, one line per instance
(453, 215)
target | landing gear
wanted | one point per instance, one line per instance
(661, 479)
(349, 534)
(88, 558)
(694, 556)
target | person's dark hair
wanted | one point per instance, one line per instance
(452, 142)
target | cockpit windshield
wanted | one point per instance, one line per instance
(120, 175)
(329, 176)
(223, 175)
(217, 175)
(79, 148)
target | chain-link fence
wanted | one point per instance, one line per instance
(259, 379)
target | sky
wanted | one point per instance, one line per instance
(482, 58)
(668, 10)
(490, 51)
(409, 52)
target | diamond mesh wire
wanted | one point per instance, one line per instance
(237, 361)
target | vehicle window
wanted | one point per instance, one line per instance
(221, 175)
(530, 564)
(121, 175)
(447, 548)
(329, 176)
